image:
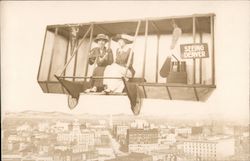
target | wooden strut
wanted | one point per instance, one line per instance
(157, 59)
(145, 49)
(198, 28)
(89, 49)
(66, 57)
(212, 54)
(169, 94)
(144, 91)
(95, 77)
(196, 94)
(176, 85)
(51, 58)
(75, 62)
(76, 49)
(130, 53)
(42, 55)
(194, 61)
(201, 61)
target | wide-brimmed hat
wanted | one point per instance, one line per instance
(101, 37)
(127, 38)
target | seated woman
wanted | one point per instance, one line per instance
(121, 67)
(102, 57)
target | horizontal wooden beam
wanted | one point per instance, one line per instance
(176, 85)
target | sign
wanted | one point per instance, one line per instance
(192, 51)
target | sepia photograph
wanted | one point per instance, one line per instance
(125, 80)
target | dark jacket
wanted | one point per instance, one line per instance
(122, 59)
(100, 58)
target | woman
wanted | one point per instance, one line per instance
(121, 67)
(102, 57)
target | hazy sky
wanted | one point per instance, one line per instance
(22, 32)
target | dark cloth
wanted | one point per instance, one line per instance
(96, 55)
(102, 61)
(122, 59)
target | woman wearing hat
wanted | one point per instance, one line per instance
(118, 69)
(102, 56)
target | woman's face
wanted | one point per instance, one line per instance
(101, 43)
(121, 42)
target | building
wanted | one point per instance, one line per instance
(120, 133)
(24, 127)
(141, 136)
(133, 157)
(196, 130)
(185, 131)
(60, 127)
(101, 137)
(43, 127)
(142, 141)
(105, 153)
(209, 149)
(120, 130)
(140, 124)
(78, 136)
(83, 137)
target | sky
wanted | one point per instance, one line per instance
(22, 32)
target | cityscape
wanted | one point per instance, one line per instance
(57, 136)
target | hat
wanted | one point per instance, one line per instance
(127, 38)
(101, 37)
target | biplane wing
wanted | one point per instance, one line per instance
(64, 65)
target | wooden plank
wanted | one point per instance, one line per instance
(196, 94)
(45, 36)
(133, 45)
(104, 94)
(136, 20)
(194, 61)
(96, 77)
(47, 87)
(145, 49)
(212, 52)
(65, 61)
(200, 69)
(176, 85)
(52, 56)
(75, 63)
(90, 44)
(157, 59)
(120, 23)
(169, 94)
(66, 57)
(144, 91)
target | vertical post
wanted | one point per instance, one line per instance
(41, 59)
(42, 54)
(200, 61)
(145, 48)
(194, 62)
(212, 53)
(52, 54)
(75, 63)
(66, 56)
(89, 49)
(132, 49)
(51, 58)
(65, 61)
(157, 58)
